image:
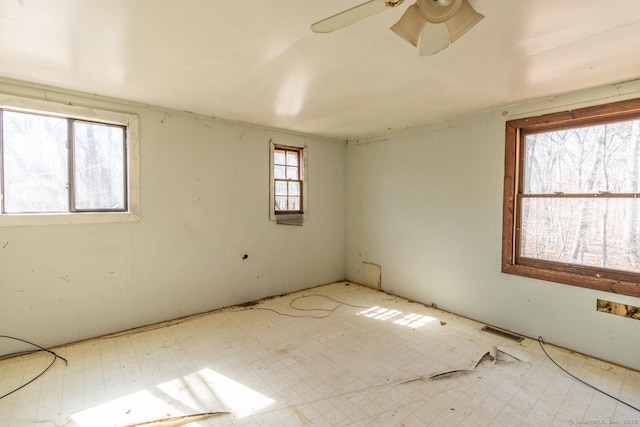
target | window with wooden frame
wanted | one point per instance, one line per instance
(572, 198)
(288, 183)
(287, 180)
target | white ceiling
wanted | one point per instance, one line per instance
(258, 62)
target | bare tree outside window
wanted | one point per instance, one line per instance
(572, 208)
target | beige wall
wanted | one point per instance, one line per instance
(204, 204)
(426, 205)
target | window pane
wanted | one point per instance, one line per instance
(281, 188)
(292, 173)
(279, 172)
(279, 157)
(593, 159)
(294, 204)
(602, 232)
(294, 188)
(292, 158)
(281, 203)
(99, 167)
(35, 163)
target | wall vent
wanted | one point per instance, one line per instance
(503, 334)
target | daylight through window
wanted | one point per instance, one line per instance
(287, 180)
(53, 164)
(572, 205)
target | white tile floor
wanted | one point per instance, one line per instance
(304, 359)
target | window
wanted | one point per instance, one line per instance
(57, 167)
(572, 198)
(288, 182)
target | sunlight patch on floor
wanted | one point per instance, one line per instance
(414, 320)
(133, 408)
(202, 391)
(411, 320)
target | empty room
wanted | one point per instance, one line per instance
(319, 213)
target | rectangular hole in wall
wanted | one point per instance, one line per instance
(618, 309)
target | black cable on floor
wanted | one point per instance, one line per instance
(55, 357)
(328, 311)
(541, 342)
(289, 315)
(322, 309)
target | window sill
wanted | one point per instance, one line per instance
(290, 219)
(573, 279)
(9, 220)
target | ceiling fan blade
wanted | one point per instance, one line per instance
(434, 38)
(463, 20)
(352, 15)
(410, 25)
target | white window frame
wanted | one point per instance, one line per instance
(129, 121)
(303, 176)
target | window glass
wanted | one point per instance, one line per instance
(279, 157)
(292, 172)
(281, 188)
(293, 188)
(588, 159)
(292, 159)
(294, 204)
(572, 197)
(35, 168)
(99, 167)
(55, 165)
(584, 231)
(287, 182)
(279, 172)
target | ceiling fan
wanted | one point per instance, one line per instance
(430, 25)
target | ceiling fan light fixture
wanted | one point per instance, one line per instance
(430, 25)
(410, 25)
(465, 18)
(437, 12)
